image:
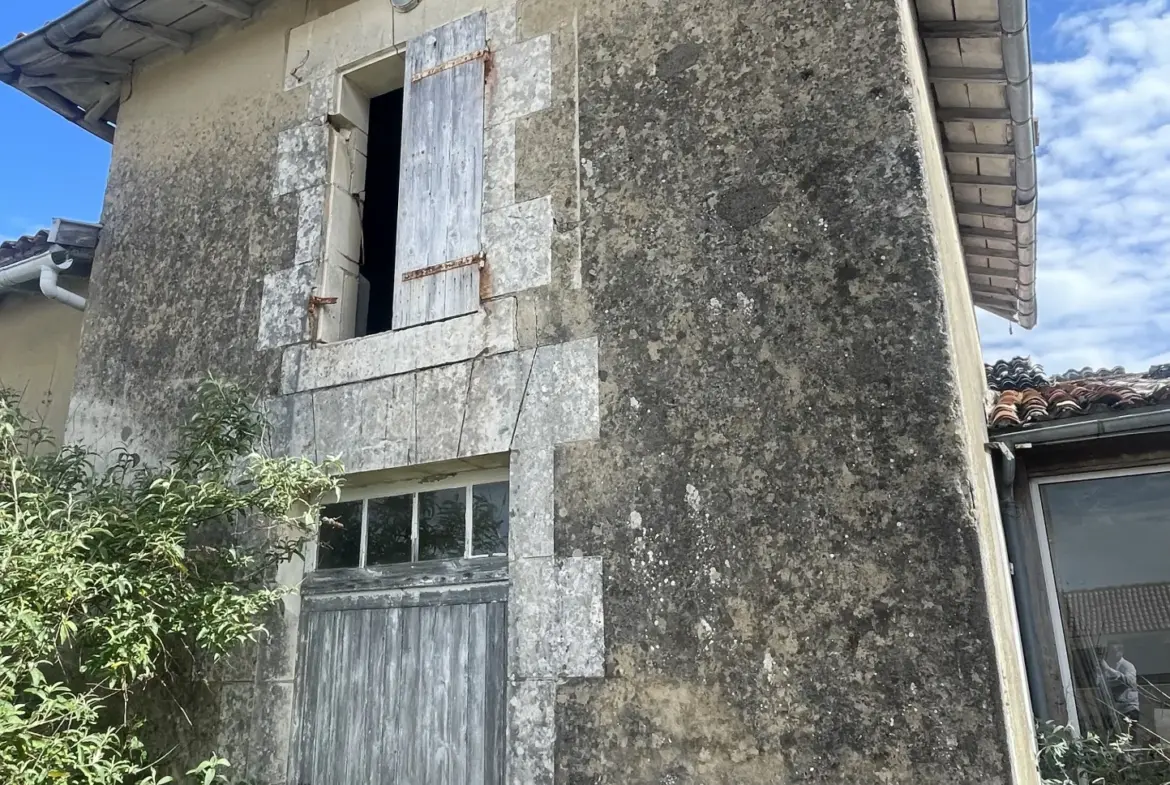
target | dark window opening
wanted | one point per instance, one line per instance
(380, 214)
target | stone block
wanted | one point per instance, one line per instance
(530, 493)
(545, 160)
(556, 618)
(273, 719)
(440, 406)
(311, 211)
(501, 27)
(518, 244)
(369, 425)
(499, 166)
(561, 403)
(302, 157)
(531, 731)
(493, 403)
(321, 47)
(284, 306)
(487, 332)
(581, 642)
(290, 426)
(522, 83)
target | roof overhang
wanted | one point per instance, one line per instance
(980, 71)
(76, 65)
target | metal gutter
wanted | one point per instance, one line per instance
(44, 268)
(1109, 424)
(1017, 62)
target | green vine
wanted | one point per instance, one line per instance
(115, 581)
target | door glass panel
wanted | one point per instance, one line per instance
(489, 518)
(442, 521)
(388, 530)
(339, 541)
(1110, 543)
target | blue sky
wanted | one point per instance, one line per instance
(1103, 101)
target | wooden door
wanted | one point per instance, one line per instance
(402, 688)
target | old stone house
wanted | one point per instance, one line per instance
(645, 331)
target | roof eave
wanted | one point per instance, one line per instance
(71, 65)
(1002, 276)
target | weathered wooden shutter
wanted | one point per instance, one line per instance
(440, 195)
(393, 694)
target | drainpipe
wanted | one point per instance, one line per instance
(44, 269)
(1025, 601)
(1017, 64)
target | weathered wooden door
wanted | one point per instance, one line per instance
(402, 688)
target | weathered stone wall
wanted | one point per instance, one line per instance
(745, 541)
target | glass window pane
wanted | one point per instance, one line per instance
(489, 518)
(1109, 538)
(441, 523)
(388, 530)
(339, 542)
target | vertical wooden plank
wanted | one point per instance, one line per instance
(384, 769)
(420, 628)
(441, 190)
(495, 693)
(475, 678)
(455, 724)
(375, 693)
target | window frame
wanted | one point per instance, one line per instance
(414, 487)
(1046, 566)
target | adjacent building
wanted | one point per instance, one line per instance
(646, 334)
(1085, 484)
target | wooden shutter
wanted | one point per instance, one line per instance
(440, 195)
(402, 695)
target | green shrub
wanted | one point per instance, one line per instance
(114, 579)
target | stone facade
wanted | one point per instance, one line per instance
(747, 544)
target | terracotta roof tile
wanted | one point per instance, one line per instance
(24, 247)
(1022, 394)
(1117, 610)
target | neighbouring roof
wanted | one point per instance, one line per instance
(1022, 394)
(980, 73)
(1118, 610)
(76, 64)
(77, 238)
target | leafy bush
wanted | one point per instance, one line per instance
(1067, 758)
(115, 579)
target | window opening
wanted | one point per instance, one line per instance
(1104, 539)
(400, 524)
(380, 214)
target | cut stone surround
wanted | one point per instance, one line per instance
(451, 390)
(525, 403)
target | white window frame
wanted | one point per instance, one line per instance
(1054, 613)
(364, 493)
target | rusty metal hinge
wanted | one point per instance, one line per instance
(454, 264)
(484, 54)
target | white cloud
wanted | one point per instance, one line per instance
(1103, 265)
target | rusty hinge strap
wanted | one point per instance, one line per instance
(467, 58)
(435, 269)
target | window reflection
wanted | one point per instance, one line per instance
(388, 530)
(340, 540)
(1110, 543)
(442, 523)
(489, 519)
